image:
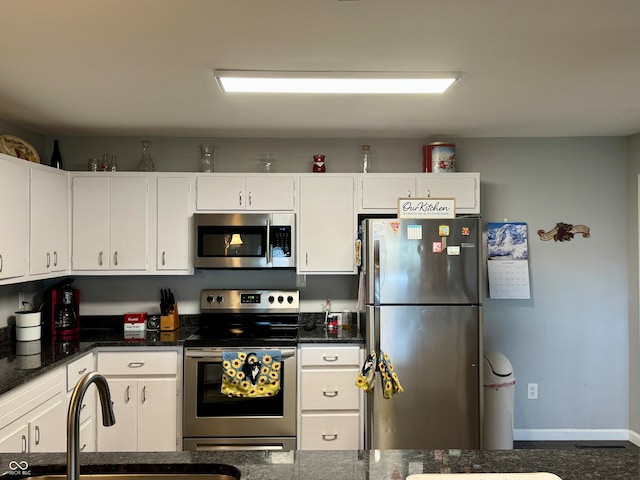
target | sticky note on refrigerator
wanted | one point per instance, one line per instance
(414, 232)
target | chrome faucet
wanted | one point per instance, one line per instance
(73, 418)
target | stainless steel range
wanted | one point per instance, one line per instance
(241, 322)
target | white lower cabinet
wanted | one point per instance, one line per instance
(75, 371)
(146, 400)
(33, 416)
(330, 406)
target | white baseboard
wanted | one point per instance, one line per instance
(634, 437)
(574, 434)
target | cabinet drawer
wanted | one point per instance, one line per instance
(330, 432)
(138, 363)
(77, 369)
(329, 390)
(330, 355)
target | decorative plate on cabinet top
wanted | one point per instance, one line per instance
(16, 147)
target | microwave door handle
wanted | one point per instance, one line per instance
(268, 252)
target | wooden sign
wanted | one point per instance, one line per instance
(409, 207)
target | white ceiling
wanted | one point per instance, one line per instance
(145, 67)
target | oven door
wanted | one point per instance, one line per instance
(209, 413)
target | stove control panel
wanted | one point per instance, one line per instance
(257, 301)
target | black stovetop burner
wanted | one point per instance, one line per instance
(247, 318)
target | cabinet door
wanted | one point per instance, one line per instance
(14, 192)
(464, 187)
(14, 438)
(90, 223)
(270, 192)
(49, 220)
(326, 224)
(157, 415)
(129, 224)
(47, 426)
(220, 192)
(381, 193)
(122, 436)
(173, 226)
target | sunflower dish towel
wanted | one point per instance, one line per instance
(251, 374)
(390, 382)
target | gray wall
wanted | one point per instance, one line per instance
(571, 337)
(634, 327)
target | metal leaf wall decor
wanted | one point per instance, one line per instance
(564, 232)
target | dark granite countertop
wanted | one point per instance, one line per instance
(16, 369)
(587, 464)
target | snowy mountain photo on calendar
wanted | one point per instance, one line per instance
(507, 241)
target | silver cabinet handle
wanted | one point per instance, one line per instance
(330, 358)
(80, 372)
(55, 259)
(127, 394)
(306, 258)
(249, 198)
(48, 259)
(240, 197)
(115, 258)
(100, 259)
(37, 435)
(330, 394)
(164, 254)
(135, 364)
(329, 437)
(1, 263)
(24, 444)
(428, 193)
(409, 193)
(84, 445)
(144, 394)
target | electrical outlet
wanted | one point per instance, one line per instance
(532, 391)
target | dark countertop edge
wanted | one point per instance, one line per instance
(570, 464)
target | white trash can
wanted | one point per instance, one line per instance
(498, 402)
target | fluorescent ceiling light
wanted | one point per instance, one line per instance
(233, 81)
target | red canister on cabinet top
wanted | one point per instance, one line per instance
(438, 157)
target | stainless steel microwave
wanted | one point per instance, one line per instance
(244, 240)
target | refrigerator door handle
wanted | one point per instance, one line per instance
(376, 297)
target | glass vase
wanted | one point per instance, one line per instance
(206, 158)
(146, 163)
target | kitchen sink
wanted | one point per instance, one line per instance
(484, 476)
(146, 476)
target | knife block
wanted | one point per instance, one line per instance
(170, 322)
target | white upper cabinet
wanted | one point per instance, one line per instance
(222, 192)
(110, 222)
(464, 187)
(380, 192)
(49, 221)
(14, 214)
(327, 224)
(174, 210)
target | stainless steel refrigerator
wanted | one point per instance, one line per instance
(423, 309)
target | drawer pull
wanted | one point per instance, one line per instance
(84, 445)
(80, 372)
(24, 444)
(329, 437)
(136, 364)
(48, 260)
(334, 393)
(330, 358)
(37, 435)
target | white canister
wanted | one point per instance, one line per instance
(28, 319)
(28, 334)
(34, 347)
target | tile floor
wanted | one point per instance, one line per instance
(576, 444)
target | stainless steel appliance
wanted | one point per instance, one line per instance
(240, 321)
(424, 311)
(244, 240)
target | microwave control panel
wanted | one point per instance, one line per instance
(280, 238)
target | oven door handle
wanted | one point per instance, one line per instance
(216, 355)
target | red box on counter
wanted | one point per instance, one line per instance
(135, 321)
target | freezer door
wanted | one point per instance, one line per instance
(436, 353)
(422, 261)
